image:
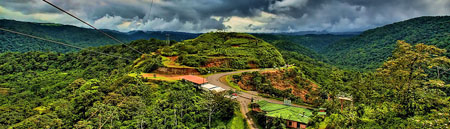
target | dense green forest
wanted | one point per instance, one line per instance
(396, 84)
(310, 45)
(228, 50)
(81, 37)
(316, 42)
(370, 49)
(308, 68)
(89, 90)
(399, 94)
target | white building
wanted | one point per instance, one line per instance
(211, 87)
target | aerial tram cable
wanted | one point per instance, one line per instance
(62, 10)
(150, 12)
(61, 43)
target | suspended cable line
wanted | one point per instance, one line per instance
(62, 10)
(150, 12)
(61, 43)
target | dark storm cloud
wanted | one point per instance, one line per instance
(259, 15)
(353, 15)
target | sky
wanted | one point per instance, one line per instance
(230, 15)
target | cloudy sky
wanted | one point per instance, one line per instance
(232, 15)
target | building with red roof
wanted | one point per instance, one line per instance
(195, 79)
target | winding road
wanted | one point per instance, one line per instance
(244, 98)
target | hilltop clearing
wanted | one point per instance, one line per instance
(216, 52)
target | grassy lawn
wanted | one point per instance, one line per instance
(227, 79)
(238, 121)
(158, 77)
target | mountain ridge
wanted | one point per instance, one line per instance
(368, 50)
(78, 36)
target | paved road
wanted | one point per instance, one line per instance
(244, 97)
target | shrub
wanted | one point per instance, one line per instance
(239, 64)
(192, 60)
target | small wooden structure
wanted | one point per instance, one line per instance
(342, 99)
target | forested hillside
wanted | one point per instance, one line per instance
(302, 83)
(82, 37)
(84, 89)
(225, 50)
(225, 64)
(400, 94)
(370, 49)
(310, 45)
(316, 42)
(88, 90)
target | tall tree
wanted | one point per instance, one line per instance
(404, 73)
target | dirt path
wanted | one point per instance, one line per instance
(244, 97)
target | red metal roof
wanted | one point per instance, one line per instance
(195, 79)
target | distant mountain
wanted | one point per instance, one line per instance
(82, 37)
(315, 33)
(162, 35)
(368, 50)
(316, 42)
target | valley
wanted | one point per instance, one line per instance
(393, 76)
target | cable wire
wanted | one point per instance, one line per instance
(150, 12)
(61, 43)
(62, 10)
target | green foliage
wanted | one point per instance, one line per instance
(192, 60)
(370, 49)
(299, 49)
(268, 122)
(399, 95)
(315, 42)
(147, 63)
(263, 85)
(69, 34)
(309, 45)
(88, 90)
(117, 102)
(239, 64)
(404, 73)
(238, 121)
(91, 63)
(241, 50)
